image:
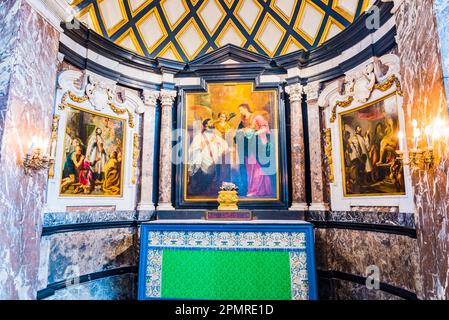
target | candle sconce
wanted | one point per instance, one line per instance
(421, 158)
(36, 159)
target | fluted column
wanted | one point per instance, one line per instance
(165, 158)
(295, 92)
(146, 190)
(315, 148)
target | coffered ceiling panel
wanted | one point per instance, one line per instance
(184, 29)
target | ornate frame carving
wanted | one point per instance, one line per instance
(100, 98)
(376, 79)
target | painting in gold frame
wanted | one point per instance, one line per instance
(231, 135)
(92, 154)
(369, 141)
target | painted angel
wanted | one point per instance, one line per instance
(224, 122)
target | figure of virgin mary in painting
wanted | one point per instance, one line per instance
(254, 130)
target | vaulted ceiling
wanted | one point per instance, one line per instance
(184, 29)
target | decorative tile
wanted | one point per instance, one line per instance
(154, 274)
(228, 240)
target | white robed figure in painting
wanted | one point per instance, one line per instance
(205, 153)
(97, 154)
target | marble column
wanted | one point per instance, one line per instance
(149, 117)
(315, 148)
(425, 100)
(165, 158)
(28, 67)
(295, 92)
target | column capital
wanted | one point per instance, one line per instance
(312, 90)
(150, 97)
(295, 92)
(168, 97)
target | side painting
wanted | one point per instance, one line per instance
(370, 139)
(92, 155)
(231, 136)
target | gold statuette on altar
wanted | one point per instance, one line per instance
(228, 197)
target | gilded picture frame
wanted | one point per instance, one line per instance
(234, 100)
(368, 145)
(93, 187)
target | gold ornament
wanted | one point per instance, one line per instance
(135, 157)
(228, 200)
(328, 151)
(384, 86)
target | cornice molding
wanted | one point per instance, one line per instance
(397, 4)
(54, 11)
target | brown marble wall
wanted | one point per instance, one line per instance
(78, 253)
(27, 111)
(352, 251)
(67, 256)
(80, 243)
(424, 100)
(119, 287)
(346, 290)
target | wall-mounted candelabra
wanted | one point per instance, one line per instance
(36, 158)
(422, 157)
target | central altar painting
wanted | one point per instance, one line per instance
(231, 134)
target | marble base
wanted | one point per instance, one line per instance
(319, 207)
(165, 207)
(145, 207)
(299, 207)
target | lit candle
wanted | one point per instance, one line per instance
(428, 132)
(401, 140)
(33, 143)
(414, 124)
(416, 135)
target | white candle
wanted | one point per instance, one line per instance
(428, 132)
(33, 144)
(416, 135)
(401, 140)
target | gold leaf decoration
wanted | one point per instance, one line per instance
(328, 151)
(135, 157)
(384, 86)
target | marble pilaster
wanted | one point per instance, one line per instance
(165, 158)
(295, 92)
(424, 100)
(315, 148)
(29, 52)
(149, 117)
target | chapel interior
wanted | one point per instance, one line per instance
(224, 149)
